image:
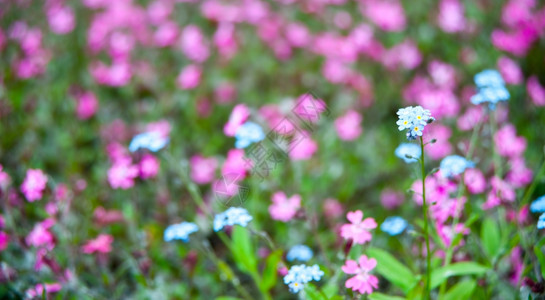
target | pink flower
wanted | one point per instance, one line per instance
(203, 169)
(225, 92)
(510, 70)
(391, 199)
(87, 105)
(508, 144)
(536, 91)
(4, 240)
(34, 184)
(4, 178)
(40, 235)
(388, 15)
(518, 266)
(348, 126)
(235, 163)
(358, 230)
(193, 44)
(297, 34)
(517, 42)
(335, 71)
(38, 290)
(519, 175)
(473, 116)
(442, 74)
(190, 77)
(118, 74)
(61, 19)
(283, 208)
(149, 166)
(332, 208)
(363, 282)
(304, 147)
(475, 181)
(166, 34)
(451, 16)
(105, 217)
(102, 244)
(225, 40)
(122, 174)
(238, 116)
(441, 147)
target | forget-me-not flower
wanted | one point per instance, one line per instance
(247, 134)
(541, 222)
(394, 225)
(232, 216)
(180, 231)
(300, 253)
(299, 275)
(538, 206)
(153, 141)
(491, 88)
(453, 165)
(412, 150)
(413, 118)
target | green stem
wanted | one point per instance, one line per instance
(425, 215)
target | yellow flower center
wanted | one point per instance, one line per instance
(416, 129)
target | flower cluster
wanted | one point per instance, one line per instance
(232, 216)
(34, 184)
(300, 253)
(299, 275)
(408, 152)
(491, 88)
(363, 282)
(413, 118)
(453, 165)
(180, 231)
(358, 229)
(153, 141)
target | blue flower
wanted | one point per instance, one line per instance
(538, 206)
(488, 78)
(230, 217)
(394, 225)
(299, 275)
(152, 141)
(491, 88)
(454, 165)
(180, 231)
(299, 252)
(413, 118)
(406, 149)
(248, 133)
(541, 222)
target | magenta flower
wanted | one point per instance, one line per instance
(38, 290)
(4, 240)
(149, 166)
(536, 91)
(358, 230)
(304, 149)
(283, 208)
(348, 126)
(238, 116)
(122, 174)
(87, 105)
(202, 169)
(363, 282)
(189, 77)
(34, 184)
(40, 236)
(102, 244)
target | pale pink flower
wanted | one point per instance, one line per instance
(348, 126)
(536, 91)
(4, 178)
(473, 116)
(148, 166)
(34, 184)
(38, 290)
(190, 77)
(518, 266)
(332, 208)
(510, 70)
(40, 236)
(122, 174)
(519, 175)
(304, 148)
(235, 163)
(358, 229)
(193, 44)
(388, 15)
(441, 147)
(474, 181)
(391, 199)
(4, 240)
(442, 74)
(283, 208)
(225, 92)
(158, 11)
(238, 116)
(508, 144)
(225, 40)
(166, 34)
(363, 282)
(517, 42)
(121, 45)
(61, 19)
(202, 169)
(101, 244)
(118, 74)
(451, 16)
(441, 102)
(404, 54)
(297, 34)
(162, 127)
(87, 105)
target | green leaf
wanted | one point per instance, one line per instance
(394, 271)
(380, 296)
(270, 273)
(313, 293)
(461, 291)
(490, 237)
(243, 250)
(541, 258)
(227, 298)
(457, 269)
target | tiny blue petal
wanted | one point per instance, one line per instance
(300, 253)
(230, 217)
(180, 231)
(152, 141)
(454, 165)
(248, 133)
(538, 206)
(394, 225)
(541, 222)
(412, 150)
